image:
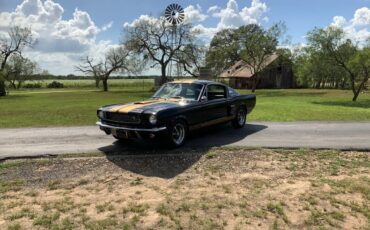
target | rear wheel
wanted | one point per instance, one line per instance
(177, 133)
(240, 118)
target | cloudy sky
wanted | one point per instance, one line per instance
(69, 30)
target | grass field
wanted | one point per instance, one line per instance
(88, 83)
(77, 104)
(219, 188)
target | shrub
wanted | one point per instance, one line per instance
(55, 85)
(32, 86)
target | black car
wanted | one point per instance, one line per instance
(175, 109)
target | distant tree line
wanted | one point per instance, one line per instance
(328, 60)
(331, 60)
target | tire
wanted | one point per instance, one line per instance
(240, 118)
(177, 133)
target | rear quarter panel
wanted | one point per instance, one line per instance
(249, 101)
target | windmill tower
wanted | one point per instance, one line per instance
(174, 14)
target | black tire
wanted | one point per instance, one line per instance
(177, 132)
(240, 118)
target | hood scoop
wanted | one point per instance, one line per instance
(145, 102)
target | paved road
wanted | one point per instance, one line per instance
(22, 142)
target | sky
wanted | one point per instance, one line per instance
(70, 30)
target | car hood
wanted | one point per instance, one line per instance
(147, 106)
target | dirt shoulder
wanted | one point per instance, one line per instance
(218, 188)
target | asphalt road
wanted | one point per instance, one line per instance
(28, 142)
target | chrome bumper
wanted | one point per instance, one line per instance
(105, 126)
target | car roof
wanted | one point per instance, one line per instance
(196, 81)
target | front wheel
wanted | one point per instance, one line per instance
(177, 133)
(240, 118)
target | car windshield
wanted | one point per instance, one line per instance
(188, 91)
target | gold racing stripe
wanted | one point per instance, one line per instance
(130, 107)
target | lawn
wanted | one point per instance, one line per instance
(77, 105)
(220, 188)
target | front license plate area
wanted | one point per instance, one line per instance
(114, 132)
(122, 134)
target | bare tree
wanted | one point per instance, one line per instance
(18, 39)
(160, 43)
(91, 69)
(115, 60)
(190, 59)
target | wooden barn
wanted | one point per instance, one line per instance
(276, 74)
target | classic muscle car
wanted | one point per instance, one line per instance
(175, 109)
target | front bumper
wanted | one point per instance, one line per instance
(105, 126)
(130, 132)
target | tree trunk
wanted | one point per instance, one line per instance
(12, 82)
(97, 82)
(343, 83)
(105, 84)
(2, 88)
(19, 84)
(254, 84)
(163, 76)
(358, 91)
(355, 95)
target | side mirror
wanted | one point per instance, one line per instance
(203, 98)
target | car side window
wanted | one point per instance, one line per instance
(215, 92)
(232, 92)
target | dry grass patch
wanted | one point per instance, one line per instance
(220, 188)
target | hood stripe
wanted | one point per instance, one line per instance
(130, 107)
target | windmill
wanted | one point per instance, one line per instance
(174, 14)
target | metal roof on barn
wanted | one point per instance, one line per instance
(243, 70)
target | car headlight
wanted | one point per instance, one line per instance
(153, 119)
(101, 114)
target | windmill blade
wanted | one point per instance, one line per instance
(174, 14)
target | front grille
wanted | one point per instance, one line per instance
(122, 117)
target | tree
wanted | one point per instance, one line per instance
(18, 70)
(360, 63)
(313, 69)
(159, 43)
(116, 59)
(341, 52)
(223, 51)
(257, 45)
(92, 69)
(190, 59)
(18, 39)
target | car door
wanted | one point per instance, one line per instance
(216, 105)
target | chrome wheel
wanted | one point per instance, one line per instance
(178, 134)
(241, 117)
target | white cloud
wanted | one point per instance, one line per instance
(213, 9)
(229, 17)
(338, 21)
(107, 26)
(362, 17)
(194, 14)
(232, 17)
(357, 28)
(61, 43)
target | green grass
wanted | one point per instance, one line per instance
(88, 83)
(77, 106)
(310, 105)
